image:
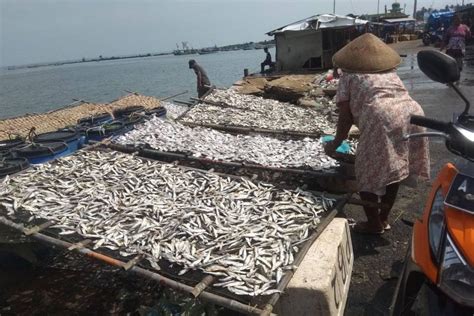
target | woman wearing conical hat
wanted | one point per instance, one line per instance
(372, 96)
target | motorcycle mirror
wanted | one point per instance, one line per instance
(438, 66)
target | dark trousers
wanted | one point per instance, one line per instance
(202, 91)
(266, 63)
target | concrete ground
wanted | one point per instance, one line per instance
(378, 260)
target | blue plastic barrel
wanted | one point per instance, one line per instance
(95, 120)
(132, 120)
(158, 111)
(124, 112)
(71, 137)
(7, 144)
(38, 153)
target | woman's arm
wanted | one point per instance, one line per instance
(344, 125)
(344, 122)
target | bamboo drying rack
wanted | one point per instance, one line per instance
(201, 288)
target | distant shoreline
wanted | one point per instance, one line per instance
(61, 63)
(244, 46)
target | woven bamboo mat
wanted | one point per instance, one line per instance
(53, 120)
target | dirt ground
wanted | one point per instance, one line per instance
(378, 260)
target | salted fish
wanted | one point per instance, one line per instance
(170, 136)
(257, 112)
(245, 233)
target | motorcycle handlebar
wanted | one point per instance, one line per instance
(429, 123)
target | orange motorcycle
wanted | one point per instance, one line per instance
(440, 258)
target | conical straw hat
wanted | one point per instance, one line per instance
(366, 54)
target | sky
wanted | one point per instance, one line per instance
(33, 31)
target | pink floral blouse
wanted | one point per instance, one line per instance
(456, 37)
(381, 108)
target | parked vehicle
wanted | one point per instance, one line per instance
(436, 25)
(441, 255)
(433, 37)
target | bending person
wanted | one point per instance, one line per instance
(372, 96)
(203, 82)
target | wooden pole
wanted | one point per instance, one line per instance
(174, 96)
(414, 11)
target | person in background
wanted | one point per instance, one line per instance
(203, 82)
(371, 95)
(267, 61)
(455, 40)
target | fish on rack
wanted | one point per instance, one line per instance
(171, 136)
(245, 233)
(251, 111)
(173, 110)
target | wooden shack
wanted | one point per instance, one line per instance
(310, 43)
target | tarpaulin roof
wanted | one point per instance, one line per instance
(400, 20)
(324, 21)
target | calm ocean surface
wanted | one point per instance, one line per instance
(41, 89)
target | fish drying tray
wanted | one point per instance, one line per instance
(150, 153)
(194, 282)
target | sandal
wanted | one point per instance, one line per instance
(363, 228)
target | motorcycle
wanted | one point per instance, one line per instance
(440, 258)
(432, 37)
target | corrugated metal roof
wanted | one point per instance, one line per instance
(320, 21)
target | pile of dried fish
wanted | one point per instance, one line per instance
(246, 234)
(173, 110)
(170, 136)
(234, 109)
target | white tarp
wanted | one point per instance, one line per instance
(401, 20)
(324, 21)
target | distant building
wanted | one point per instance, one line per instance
(394, 13)
(310, 43)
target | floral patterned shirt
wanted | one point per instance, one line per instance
(456, 37)
(381, 108)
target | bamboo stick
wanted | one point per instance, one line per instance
(130, 264)
(184, 102)
(155, 154)
(201, 286)
(35, 229)
(79, 245)
(247, 130)
(174, 96)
